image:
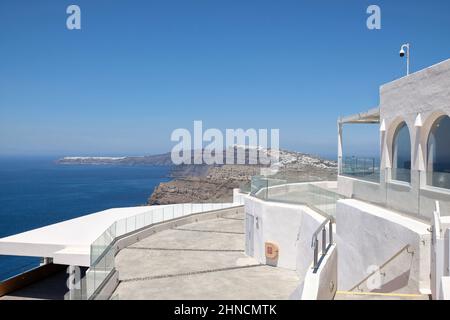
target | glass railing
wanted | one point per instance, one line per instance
(317, 195)
(438, 179)
(401, 174)
(361, 168)
(245, 187)
(103, 248)
(411, 192)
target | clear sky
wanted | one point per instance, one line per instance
(137, 70)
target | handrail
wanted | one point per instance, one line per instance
(406, 247)
(315, 242)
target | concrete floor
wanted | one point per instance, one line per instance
(202, 260)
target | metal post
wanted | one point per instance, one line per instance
(407, 60)
(316, 253)
(339, 125)
(324, 241)
(330, 230)
(405, 49)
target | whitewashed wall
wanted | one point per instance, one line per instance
(368, 236)
(289, 226)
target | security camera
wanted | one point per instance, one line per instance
(405, 51)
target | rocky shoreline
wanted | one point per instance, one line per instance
(215, 183)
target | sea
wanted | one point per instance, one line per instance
(36, 192)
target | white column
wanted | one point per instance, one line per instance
(339, 125)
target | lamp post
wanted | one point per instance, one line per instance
(405, 50)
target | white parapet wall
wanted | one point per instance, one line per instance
(239, 197)
(321, 284)
(445, 288)
(370, 237)
(288, 226)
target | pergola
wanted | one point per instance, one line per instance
(371, 116)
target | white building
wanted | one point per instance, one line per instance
(383, 212)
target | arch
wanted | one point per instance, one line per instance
(438, 153)
(388, 137)
(401, 153)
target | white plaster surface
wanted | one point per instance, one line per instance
(445, 288)
(322, 284)
(289, 226)
(368, 235)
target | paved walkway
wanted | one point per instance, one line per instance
(202, 260)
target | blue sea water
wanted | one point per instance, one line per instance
(37, 192)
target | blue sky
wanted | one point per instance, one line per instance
(140, 69)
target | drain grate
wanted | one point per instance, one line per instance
(229, 218)
(186, 274)
(186, 249)
(209, 231)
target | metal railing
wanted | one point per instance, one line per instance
(322, 229)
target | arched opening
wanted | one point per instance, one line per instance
(401, 154)
(438, 149)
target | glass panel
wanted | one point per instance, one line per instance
(187, 208)
(207, 207)
(439, 179)
(276, 189)
(148, 218)
(361, 168)
(158, 215)
(131, 224)
(196, 208)
(168, 213)
(109, 258)
(259, 187)
(178, 210)
(90, 282)
(140, 221)
(121, 227)
(400, 174)
(245, 187)
(401, 154)
(430, 194)
(439, 154)
(402, 195)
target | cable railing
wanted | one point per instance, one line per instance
(103, 249)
